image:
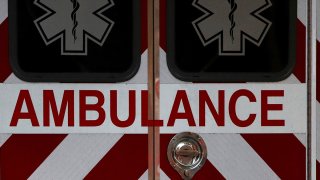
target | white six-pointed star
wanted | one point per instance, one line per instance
(74, 22)
(232, 22)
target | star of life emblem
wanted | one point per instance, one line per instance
(232, 22)
(74, 23)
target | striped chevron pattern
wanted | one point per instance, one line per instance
(123, 156)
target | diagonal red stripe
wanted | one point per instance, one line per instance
(21, 155)
(127, 159)
(300, 67)
(208, 171)
(318, 170)
(284, 153)
(5, 69)
(318, 96)
(164, 163)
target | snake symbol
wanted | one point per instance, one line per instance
(233, 7)
(76, 6)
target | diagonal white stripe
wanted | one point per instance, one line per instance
(3, 10)
(290, 80)
(235, 159)
(167, 78)
(302, 138)
(244, 161)
(163, 176)
(5, 137)
(3, 16)
(12, 79)
(139, 78)
(76, 156)
(144, 176)
(294, 80)
(302, 11)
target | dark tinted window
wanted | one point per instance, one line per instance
(78, 40)
(231, 40)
